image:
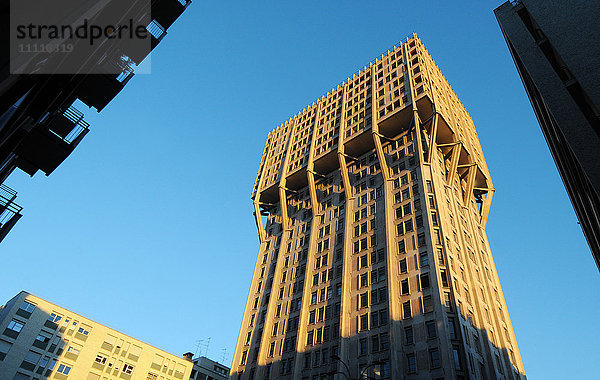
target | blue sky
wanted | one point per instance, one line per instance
(147, 227)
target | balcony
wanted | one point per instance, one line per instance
(165, 12)
(138, 50)
(97, 90)
(51, 141)
(70, 126)
(10, 212)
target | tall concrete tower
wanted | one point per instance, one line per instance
(371, 206)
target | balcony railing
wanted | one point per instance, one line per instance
(98, 90)
(156, 30)
(165, 12)
(10, 212)
(80, 126)
(127, 68)
(51, 141)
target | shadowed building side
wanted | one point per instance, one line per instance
(371, 206)
(556, 48)
(206, 369)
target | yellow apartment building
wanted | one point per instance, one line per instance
(40, 340)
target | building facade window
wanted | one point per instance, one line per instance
(64, 369)
(27, 307)
(406, 310)
(434, 358)
(411, 362)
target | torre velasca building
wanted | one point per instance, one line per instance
(371, 206)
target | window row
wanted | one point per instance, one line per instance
(379, 342)
(425, 305)
(323, 277)
(377, 275)
(422, 282)
(322, 334)
(377, 318)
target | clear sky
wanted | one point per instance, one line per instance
(147, 227)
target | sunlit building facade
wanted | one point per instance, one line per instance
(371, 206)
(40, 340)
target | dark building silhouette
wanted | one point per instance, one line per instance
(39, 126)
(556, 48)
(207, 369)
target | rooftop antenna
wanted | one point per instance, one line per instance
(198, 344)
(201, 345)
(224, 357)
(206, 347)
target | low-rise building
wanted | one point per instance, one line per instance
(206, 369)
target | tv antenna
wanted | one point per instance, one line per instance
(202, 345)
(225, 356)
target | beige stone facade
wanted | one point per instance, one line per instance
(40, 340)
(371, 206)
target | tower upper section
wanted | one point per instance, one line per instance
(382, 93)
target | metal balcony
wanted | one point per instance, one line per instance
(70, 126)
(165, 12)
(138, 50)
(51, 141)
(97, 90)
(10, 212)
